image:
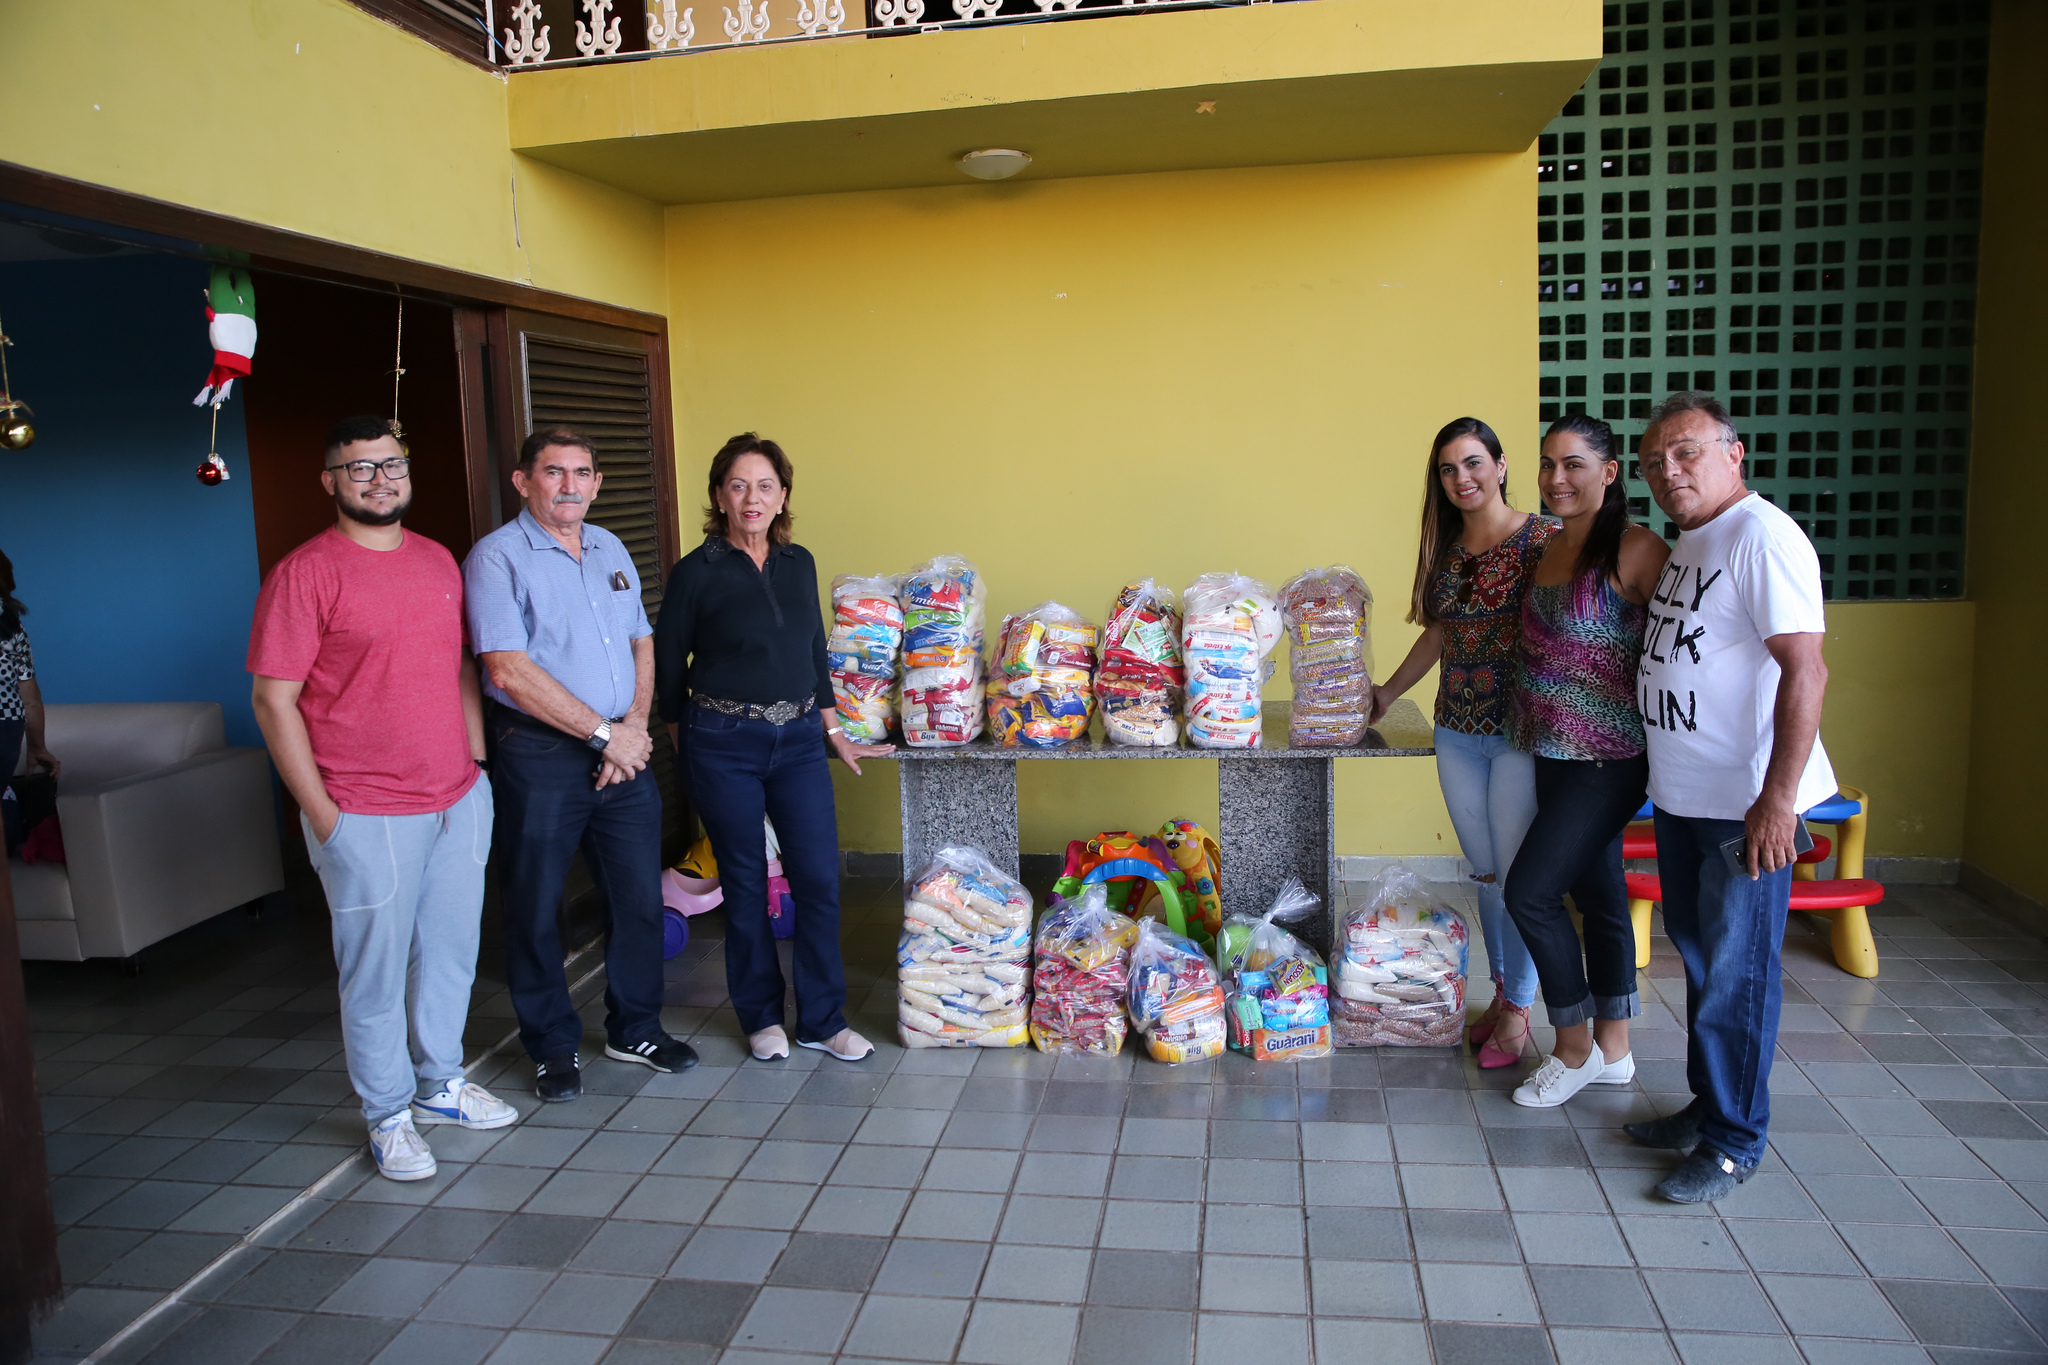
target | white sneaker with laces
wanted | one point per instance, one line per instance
(1554, 1082)
(1620, 1071)
(464, 1104)
(399, 1150)
(846, 1045)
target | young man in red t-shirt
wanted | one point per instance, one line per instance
(369, 702)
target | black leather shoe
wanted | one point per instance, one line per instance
(1679, 1132)
(663, 1053)
(1703, 1177)
(557, 1079)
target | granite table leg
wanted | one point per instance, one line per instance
(959, 801)
(1278, 821)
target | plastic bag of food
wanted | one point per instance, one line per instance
(1080, 969)
(1328, 614)
(1140, 681)
(962, 963)
(861, 654)
(1042, 690)
(1278, 998)
(1230, 624)
(1175, 998)
(943, 616)
(1398, 967)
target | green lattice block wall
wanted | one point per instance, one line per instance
(1777, 201)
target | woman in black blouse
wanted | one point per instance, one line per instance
(740, 671)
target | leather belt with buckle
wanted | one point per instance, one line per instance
(777, 713)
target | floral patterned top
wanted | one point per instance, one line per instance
(1478, 601)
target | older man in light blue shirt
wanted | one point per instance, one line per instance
(556, 620)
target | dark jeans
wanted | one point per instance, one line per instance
(739, 771)
(1574, 845)
(1728, 931)
(548, 807)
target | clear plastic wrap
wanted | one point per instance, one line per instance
(1175, 998)
(1328, 614)
(963, 974)
(1140, 682)
(1399, 967)
(861, 654)
(1231, 624)
(1041, 693)
(1278, 1000)
(1080, 969)
(943, 618)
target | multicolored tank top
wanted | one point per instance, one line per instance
(1478, 601)
(1576, 696)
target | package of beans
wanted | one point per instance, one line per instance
(1328, 613)
(963, 974)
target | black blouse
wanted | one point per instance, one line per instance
(732, 631)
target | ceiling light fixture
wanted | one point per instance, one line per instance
(994, 163)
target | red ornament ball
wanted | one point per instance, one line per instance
(210, 473)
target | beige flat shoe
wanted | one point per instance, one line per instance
(846, 1045)
(771, 1044)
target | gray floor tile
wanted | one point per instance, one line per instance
(2008, 1257)
(760, 1204)
(703, 1311)
(1254, 1284)
(439, 1343)
(1372, 1289)
(323, 1340)
(631, 1248)
(1463, 1235)
(738, 1255)
(1252, 1230)
(1975, 1204)
(1151, 1225)
(223, 1336)
(1474, 1343)
(1601, 1346)
(163, 1260)
(830, 1261)
(982, 1169)
(953, 1214)
(1683, 1243)
(1156, 1178)
(907, 1328)
(1582, 1297)
(1384, 1343)
(536, 1241)
(716, 1158)
(1571, 1238)
(487, 1295)
(1908, 1253)
(1827, 1305)
(1134, 1336)
(387, 1287)
(1221, 1338)
(931, 1268)
(1792, 1247)
(437, 1234)
(1050, 1220)
(1449, 1187)
(1711, 1301)
(548, 1348)
(1144, 1279)
(1044, 1274)
(797, 1321)
(1699, 1348)
(1972, 1315)
(1477, 1293)
(358, 1228)
(1019, 1334)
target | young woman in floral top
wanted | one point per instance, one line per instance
(1475, 561)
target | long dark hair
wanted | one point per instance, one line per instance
(1600, 557)
(11, 610)
(1441, 519)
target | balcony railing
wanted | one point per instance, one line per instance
(525, 33)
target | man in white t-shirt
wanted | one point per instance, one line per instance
(1730, 684)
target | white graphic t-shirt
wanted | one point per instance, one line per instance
(1706, 684)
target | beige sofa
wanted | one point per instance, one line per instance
(164, 826)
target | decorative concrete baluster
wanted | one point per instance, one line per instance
(666, 31)
(524, 47)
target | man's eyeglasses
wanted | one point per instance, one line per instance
(362, 471)
(1685, 456)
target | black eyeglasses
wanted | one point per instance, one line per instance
(362, 471)
(1468, 576)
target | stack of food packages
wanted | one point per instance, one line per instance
(1232, 624)
(1141, 678)
(1400, 960)
(943, 614)
(1080, 969)
(961, 964)
(1175, 999)
(1043, 691)
(1279, 998)
(867, 633)
(1329, 638)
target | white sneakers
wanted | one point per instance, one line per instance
(846, 1045)
(771, 1044)
(1553, 1083)
(465, 1105)
(399, 1150)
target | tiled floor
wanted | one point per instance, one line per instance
(1007, 1208)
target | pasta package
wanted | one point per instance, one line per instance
(1080, 970)
(1328, 616)
(1399, 966)
(1231, 624)
(1278, 1005)
(943, 618)
(1175, 998)
(861, 654)
(962, 962)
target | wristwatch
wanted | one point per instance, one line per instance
(601, 736)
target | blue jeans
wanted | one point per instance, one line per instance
(548, 808)
(405, 894)
(1490, 788)
(1582, 806)
(1728, 931)
(741, 770)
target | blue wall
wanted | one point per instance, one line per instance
(140, 581)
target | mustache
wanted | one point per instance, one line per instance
(561, 498)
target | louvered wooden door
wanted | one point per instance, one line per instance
(612, 386)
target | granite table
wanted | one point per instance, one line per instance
(1277, 804)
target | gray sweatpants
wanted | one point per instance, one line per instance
(406, 894)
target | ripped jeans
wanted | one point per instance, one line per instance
(1489, 787)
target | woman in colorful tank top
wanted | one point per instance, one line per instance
(1575, 710)
(1476, 557)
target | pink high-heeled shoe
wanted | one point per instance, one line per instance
(1492, 1055)
(1483, 1029)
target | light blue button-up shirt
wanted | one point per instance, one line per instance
(576, 620)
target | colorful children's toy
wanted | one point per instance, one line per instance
(1232, 623)
(1329, 618)
(1141, 679)
(962, 974)
(1399, 967)
(1279, 998)
(1080, 970)
(861, 654)
(1175, 999)
(1200, 858)
(1133, 870)
(943, 615)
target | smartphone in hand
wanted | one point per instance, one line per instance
(1736, 851)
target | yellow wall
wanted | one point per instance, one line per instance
(1081, 382)
(2008, 751)
(313, 116)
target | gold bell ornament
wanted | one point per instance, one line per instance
(17, 432)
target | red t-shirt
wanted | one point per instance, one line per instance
(376, 637)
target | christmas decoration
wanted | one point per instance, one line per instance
(231, 327)
(398, 373)
(212, 470)
(16, 431)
